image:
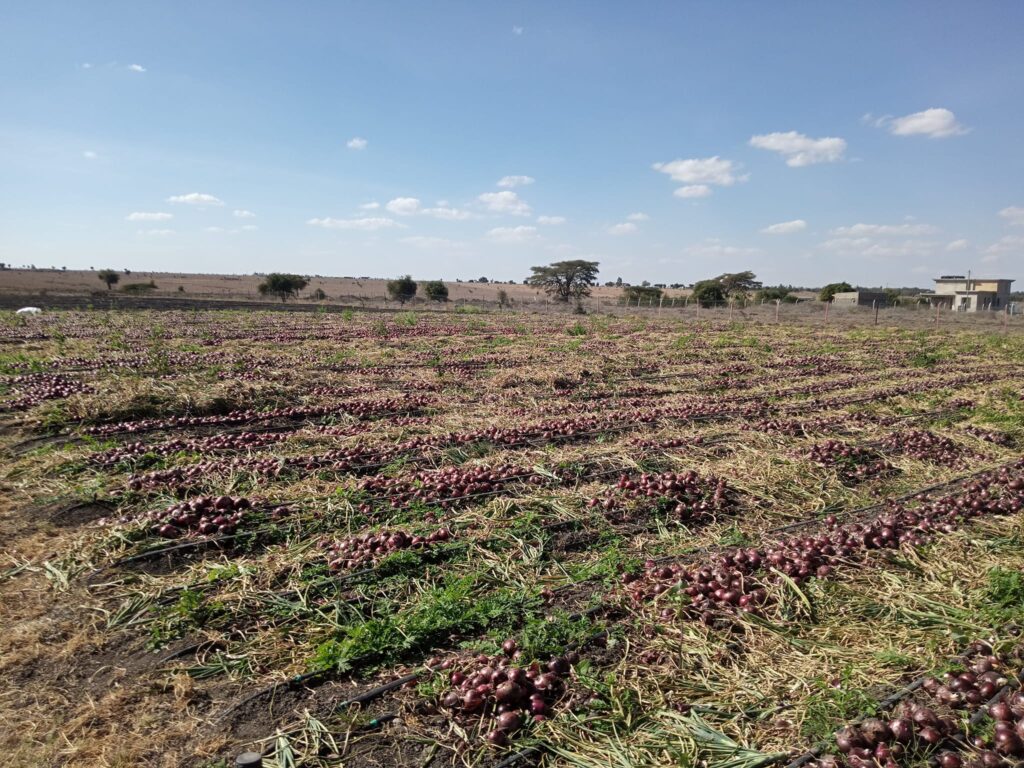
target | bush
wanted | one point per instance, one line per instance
(775, 294)
(139, 288)
(435, 290)
(832, 289)
(708, 293)
(282, 285)
(402, 289)
(645, 295)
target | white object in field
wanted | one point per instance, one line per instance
(28, 311)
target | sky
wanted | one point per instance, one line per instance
(874, 142)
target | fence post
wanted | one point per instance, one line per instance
(826, 310)
(660, 302)
(777, 304)
(874, 304)
(731, 303)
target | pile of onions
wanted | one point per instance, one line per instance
(34, 388)
(508, 696)
(231, 441)
(686, 495)
(996, 438)
(916, 728)
(444, 486)
(358, 551)
(853, 464)
(202, 516)
(927, 446)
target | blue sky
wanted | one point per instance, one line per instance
(873, 142)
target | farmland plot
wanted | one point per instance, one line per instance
(503, 540)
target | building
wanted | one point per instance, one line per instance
(860, 299)
(969, 294)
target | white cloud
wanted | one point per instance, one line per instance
(1014, 215)
(957, 245)
(800, 150)
(241, 213)
(357, 142)
(884, 230)
(136, 68)
(515, 181)
(215, 230)
(249, 227)
(504, 202)
(195, 198)
(86, 65)
(404, 206)
(624, 228)
(1007, 244)
(518, 234)
(156, 232)
(693, 190)
(517, 30)
(785, 227)
(410, 206)
(551, 220)
(882, 247)
(935, 123)
(638, 216)
(366, 224)
(369, 206)
(148, 216)
(446, 213)
(707, 170)
(89, 155)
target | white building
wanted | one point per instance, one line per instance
(969, 294)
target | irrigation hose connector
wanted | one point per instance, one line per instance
(249, 760)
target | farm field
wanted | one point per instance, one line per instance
(426, 539)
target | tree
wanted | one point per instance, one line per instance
(109, 276)
(435, 290)
(282, 285)
(708, 293)
(503, 299)
(318, 295)
(832, 289)
(642, 293)
(734, 283)
(402, 289)
(565, 280)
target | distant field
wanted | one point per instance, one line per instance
(338, 289)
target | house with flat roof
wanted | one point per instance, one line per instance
(969, 294)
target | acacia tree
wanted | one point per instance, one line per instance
(832, 289)
(435, 290)
(565, 280)
(109, 276)
(737, 283)
(402, 289)
(282, 285)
